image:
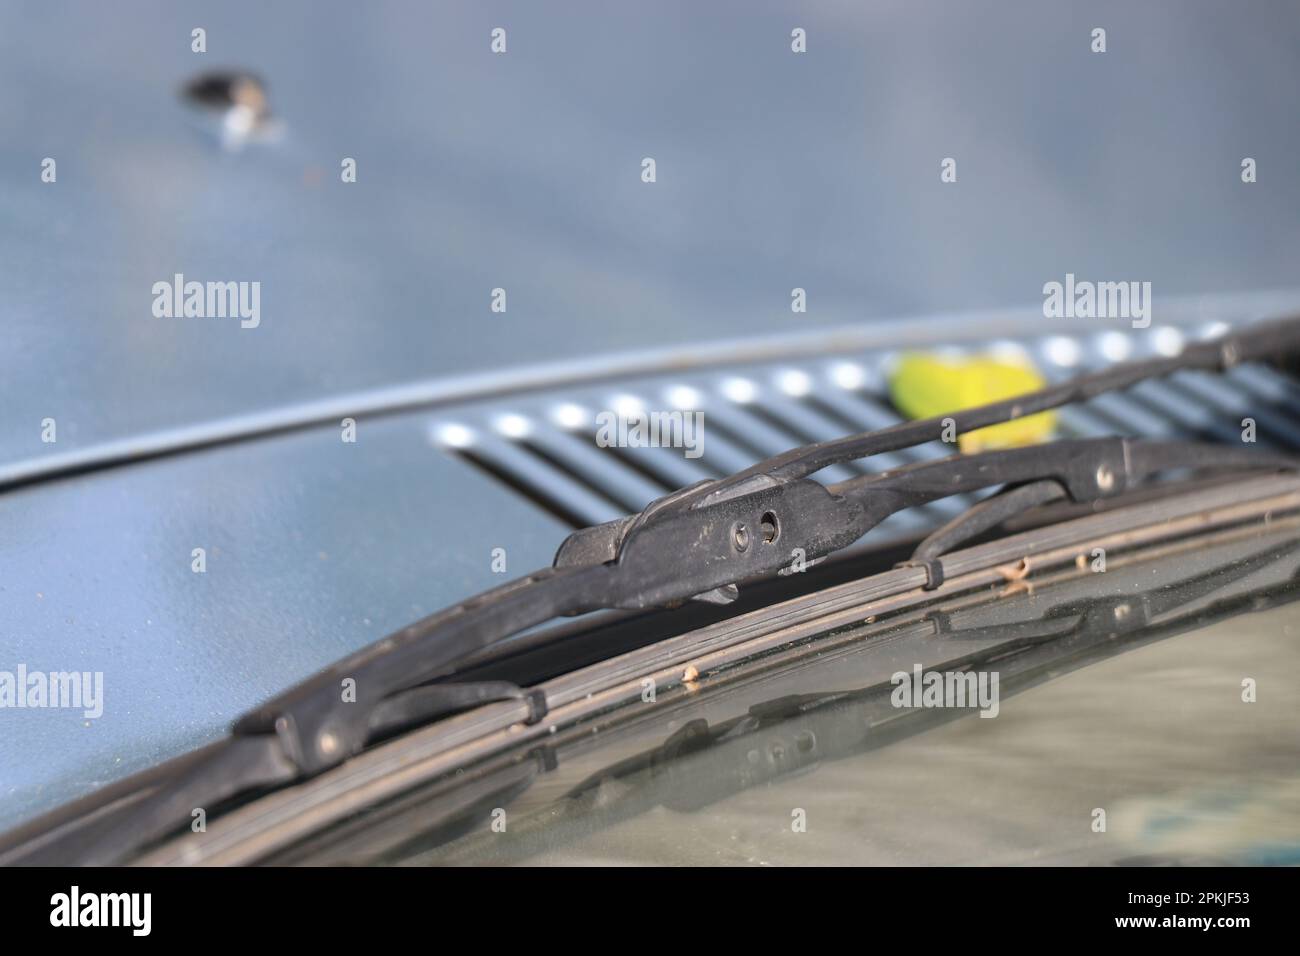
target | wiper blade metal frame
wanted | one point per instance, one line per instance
(678, 554)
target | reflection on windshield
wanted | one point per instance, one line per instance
(1105, 743)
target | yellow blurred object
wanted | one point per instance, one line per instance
(925, 386)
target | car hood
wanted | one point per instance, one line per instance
(520, 172)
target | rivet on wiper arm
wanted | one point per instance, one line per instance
(740, 536)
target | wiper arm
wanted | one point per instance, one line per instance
(1259, 342)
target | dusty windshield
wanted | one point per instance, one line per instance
(1143, 715)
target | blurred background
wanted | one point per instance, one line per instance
(522, 171)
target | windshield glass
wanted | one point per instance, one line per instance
(1136, 715)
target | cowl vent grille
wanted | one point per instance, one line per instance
(545, 446)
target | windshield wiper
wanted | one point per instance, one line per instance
(669, 553)
(702, 541)
(699, 542)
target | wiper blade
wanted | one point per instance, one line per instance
(700, 542)
(668, 554)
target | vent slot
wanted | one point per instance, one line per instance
(617, 493)
(550, 499)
